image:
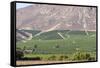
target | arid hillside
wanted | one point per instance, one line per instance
(43, 17)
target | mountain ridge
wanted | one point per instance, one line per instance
(43, 17)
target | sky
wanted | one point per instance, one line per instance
(22, 5)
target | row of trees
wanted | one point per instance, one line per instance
(78, 56)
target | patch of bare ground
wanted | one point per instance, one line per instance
(37, 62)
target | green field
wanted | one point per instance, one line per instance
(50, 43)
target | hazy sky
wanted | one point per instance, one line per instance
(22, 5)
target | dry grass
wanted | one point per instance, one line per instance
(37, 62)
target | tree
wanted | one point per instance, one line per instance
(24, 48)
(57, 46)
(35, 46)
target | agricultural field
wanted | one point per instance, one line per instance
(53, 47)
(46, 34)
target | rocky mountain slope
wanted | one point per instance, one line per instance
(43, 17)
(47, 18)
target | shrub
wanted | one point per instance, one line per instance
(57, 46)
(24, 48)
(87, 56)
(52, 58)
(82, 56)
(35, 46)
(33, 50)
(91, 58)
(31, 58)
(18, 48)
(19, 54)
(66, 57)
(63, 57)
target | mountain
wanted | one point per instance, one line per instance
(43, 17)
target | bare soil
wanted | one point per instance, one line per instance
(37, 62)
